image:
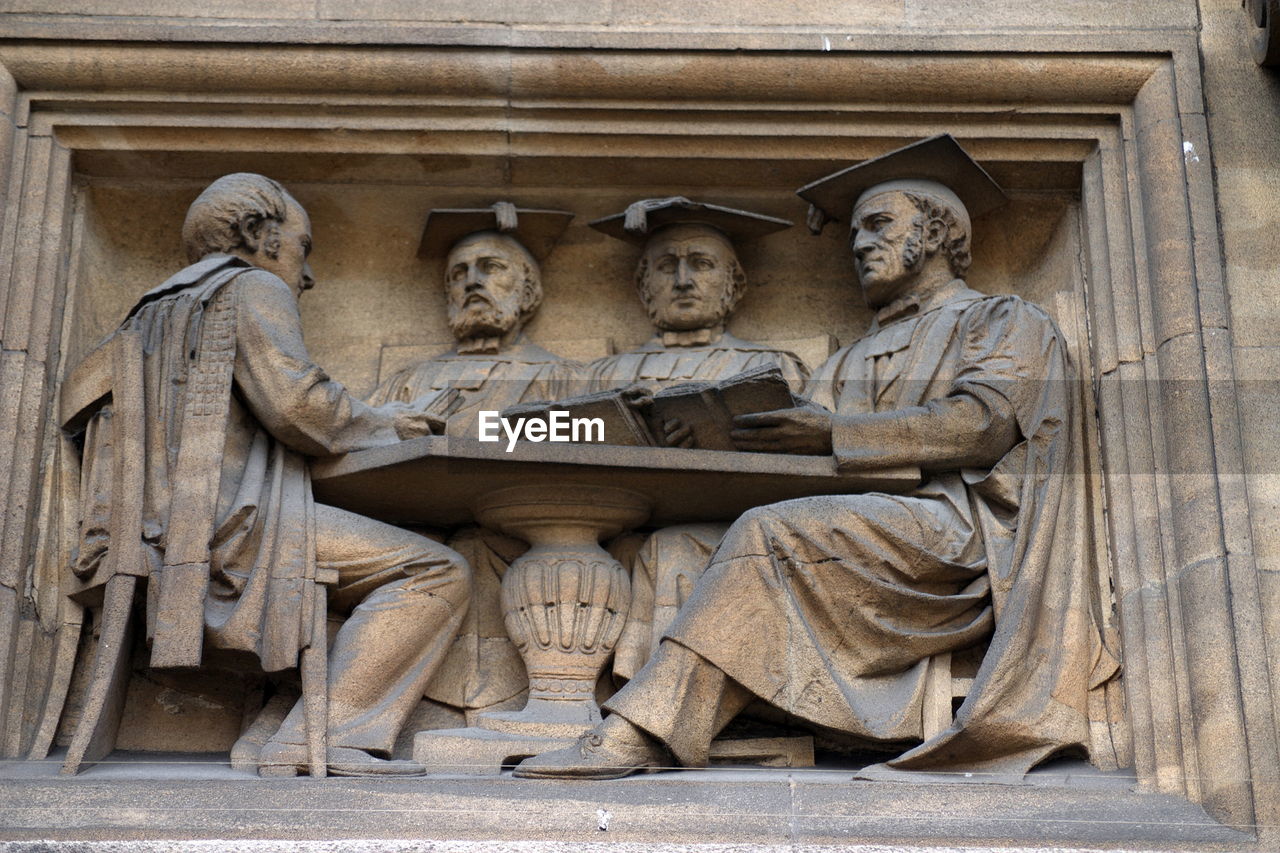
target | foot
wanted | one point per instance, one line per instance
(290, 759)
(611, 750)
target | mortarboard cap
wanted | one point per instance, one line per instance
(936, 166)
(537, 230)
(644, 217)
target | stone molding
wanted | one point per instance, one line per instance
(1121, 124)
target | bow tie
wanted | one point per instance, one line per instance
(480, 346)
(690, 338)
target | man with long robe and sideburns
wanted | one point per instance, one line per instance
(234, 406)
(831, 608)
(492, 288)
(690, 280)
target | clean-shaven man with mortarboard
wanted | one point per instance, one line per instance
(690, 280)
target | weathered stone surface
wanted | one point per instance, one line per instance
(1012, 75)
(1066, 804)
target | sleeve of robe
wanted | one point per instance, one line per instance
(293, 398)
(998, 382)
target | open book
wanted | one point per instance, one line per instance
(708, 408)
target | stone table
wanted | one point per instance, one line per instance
(565, 600)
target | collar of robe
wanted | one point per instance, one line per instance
(692, 337)
(918, 302)
(480, 346)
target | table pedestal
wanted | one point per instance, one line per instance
(564, 603)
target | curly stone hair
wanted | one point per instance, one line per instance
(955, 246)
(217, 219)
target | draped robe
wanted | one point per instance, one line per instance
(830, 607)
(520, 373)
(274, 406)
(717, 357)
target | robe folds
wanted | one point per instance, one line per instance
(521, 373)
(663, 564)
(830, 608)
(225, 369)
(660, 365)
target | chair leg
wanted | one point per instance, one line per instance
(937, 695)
(104, 700)
(315, 688)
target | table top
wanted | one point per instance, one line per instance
(436, 480)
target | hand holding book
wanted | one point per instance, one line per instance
(704, 415)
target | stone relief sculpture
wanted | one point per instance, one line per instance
(690, 280)
(493, 287)
(834, 609)
(235, 552)
(831, 608)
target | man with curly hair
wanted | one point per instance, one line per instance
(235, 543)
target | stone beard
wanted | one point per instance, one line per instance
(492, 286)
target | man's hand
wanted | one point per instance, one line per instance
(411, 423)
(676, 433)
(804, 430)
(638, 396)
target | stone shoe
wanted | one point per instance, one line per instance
(609, 751)
(290, 759)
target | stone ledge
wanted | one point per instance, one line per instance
(156, 799)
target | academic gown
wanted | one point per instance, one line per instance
(830, 607)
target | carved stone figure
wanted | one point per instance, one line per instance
(493, 287)
(690, 280)
(830, 608)
(234, 405)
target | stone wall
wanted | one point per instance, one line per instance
(1138, 139)
(1243, 105)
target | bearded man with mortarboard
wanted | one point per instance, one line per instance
(831, 608)
(690, 280)
(492, 289)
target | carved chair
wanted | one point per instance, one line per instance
(950, 677)
(108, 384)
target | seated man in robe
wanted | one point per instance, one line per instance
(690, 281)
(492, 289)
(830, 608)
(234, 407)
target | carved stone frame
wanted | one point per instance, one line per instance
(1126, 116)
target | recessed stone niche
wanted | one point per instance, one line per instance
(377, 303)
